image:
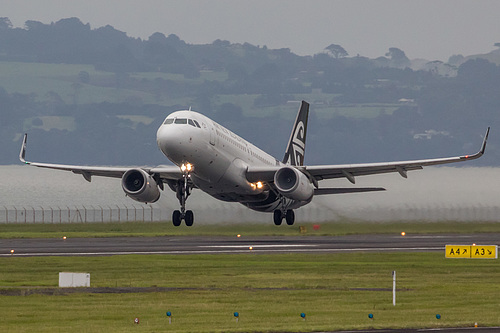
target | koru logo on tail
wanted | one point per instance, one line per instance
(298, 144)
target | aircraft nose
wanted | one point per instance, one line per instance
(169, 139)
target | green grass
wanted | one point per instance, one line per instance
(153, 229)
(204, 76)
(39, 79)
(42, 79)
(336, 291)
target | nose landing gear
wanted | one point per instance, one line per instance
(183, 190)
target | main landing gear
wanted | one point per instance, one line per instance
(288, 215)
(183, 191)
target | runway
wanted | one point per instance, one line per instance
(179, 245)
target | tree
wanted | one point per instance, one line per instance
(479, 72)
(398, 57)
(33, 25)
(84, 77)
(5, 23)
(337, 51)
(456, 59)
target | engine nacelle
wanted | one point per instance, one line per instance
(140, 186)
(293, 184)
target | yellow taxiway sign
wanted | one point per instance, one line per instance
(472, 251)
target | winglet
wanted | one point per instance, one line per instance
(481, 151)
(22, 153)
(483, 147)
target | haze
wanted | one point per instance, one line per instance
(432, 194)
(428, 29)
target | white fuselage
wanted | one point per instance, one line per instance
(220, 158)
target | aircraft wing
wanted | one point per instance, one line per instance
(164, 172)
(350, 171)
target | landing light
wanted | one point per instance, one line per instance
(188, 167)
(257, 185)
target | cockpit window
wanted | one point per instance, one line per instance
(182, 121)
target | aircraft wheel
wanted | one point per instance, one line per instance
(290, 217)
(189, 218)
(278, 217)
(176, 218)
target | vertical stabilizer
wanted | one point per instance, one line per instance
(295, 150)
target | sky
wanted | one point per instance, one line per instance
(429, 29)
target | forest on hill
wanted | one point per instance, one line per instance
(97, 96)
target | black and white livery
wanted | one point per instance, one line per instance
(209, 157)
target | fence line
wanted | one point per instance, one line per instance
(238, 213)
(81, 214)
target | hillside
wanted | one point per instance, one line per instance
(71, 86)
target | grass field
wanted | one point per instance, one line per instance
(42, 80)
(153, 229)
(335, 291)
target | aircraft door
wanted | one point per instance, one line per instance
(212, 135)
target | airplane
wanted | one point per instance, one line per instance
(209, 157)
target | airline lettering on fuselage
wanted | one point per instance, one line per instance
(298, 145)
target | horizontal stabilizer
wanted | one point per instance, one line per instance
(344, 190)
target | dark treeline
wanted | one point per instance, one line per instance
(72, 42)
(442, 108)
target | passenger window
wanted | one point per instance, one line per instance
(181, 121)
(169, 121)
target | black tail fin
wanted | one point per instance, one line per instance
(295, 151)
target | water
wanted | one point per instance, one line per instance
(38, 195)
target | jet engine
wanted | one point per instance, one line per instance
(293, 184)
(140, 186)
